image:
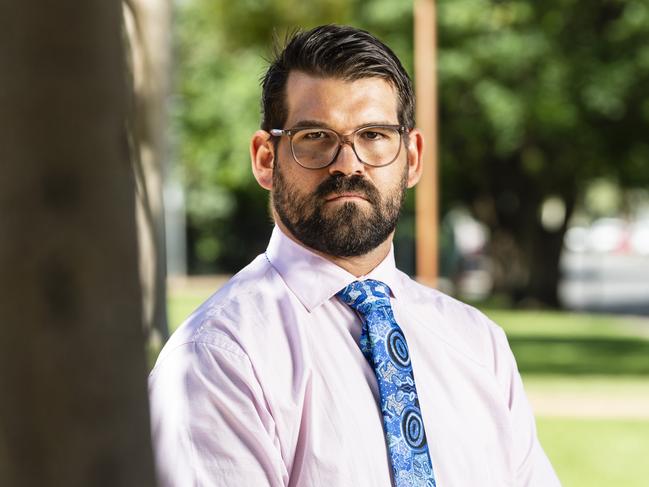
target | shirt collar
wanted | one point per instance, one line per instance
(312, 278)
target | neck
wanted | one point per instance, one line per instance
(358, 265)
(361, 265)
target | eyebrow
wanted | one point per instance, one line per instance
(310, 123)
(317, 123)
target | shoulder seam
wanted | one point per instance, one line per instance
(242, 355)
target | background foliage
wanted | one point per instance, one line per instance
(537, 100)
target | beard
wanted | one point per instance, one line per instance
(347, 230)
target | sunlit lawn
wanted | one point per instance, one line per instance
(592, 357)
(180, 306)
(576, 344)
(597, 452)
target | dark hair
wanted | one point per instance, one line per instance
(336, 51)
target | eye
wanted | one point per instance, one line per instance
(316, 135)
(377, 134)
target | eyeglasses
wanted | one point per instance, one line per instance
(317, 147)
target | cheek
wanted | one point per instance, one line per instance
(298, 180)
(392, 180)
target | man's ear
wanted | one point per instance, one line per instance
(415, 153)
(262, 156)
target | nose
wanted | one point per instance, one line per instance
(346, 162)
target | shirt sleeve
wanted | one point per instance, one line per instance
(532, 467)
(210, 422)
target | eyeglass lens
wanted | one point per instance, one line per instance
(317, 147)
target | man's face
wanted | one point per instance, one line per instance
(346, 209)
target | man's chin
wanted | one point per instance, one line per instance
(347, 208)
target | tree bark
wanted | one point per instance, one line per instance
(148, 25)
(73, 404)
(525, 255)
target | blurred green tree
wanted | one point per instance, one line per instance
(537, 99)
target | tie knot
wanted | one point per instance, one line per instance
(365, 296)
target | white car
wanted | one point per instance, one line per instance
(639, 237)
(608, 235)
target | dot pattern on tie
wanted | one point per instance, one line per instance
(384, 346)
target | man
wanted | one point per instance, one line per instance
(321, 364)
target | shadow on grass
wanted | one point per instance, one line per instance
(581, 355)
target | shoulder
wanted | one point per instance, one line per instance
(239, 309)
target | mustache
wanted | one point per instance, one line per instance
(341, 184)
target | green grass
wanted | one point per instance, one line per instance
(550, 342)
(591, 356)
(180, 306)
(566, 324)
(597, 453)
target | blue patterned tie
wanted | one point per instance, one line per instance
(384, 345)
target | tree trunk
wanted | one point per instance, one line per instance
(73, 405)
(148, 24)
(525, 255)
(544, 271)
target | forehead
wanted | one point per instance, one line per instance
(338, 103)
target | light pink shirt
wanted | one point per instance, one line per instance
(265, 385)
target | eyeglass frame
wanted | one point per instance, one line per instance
(342, 139)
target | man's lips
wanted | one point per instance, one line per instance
(339, 196)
